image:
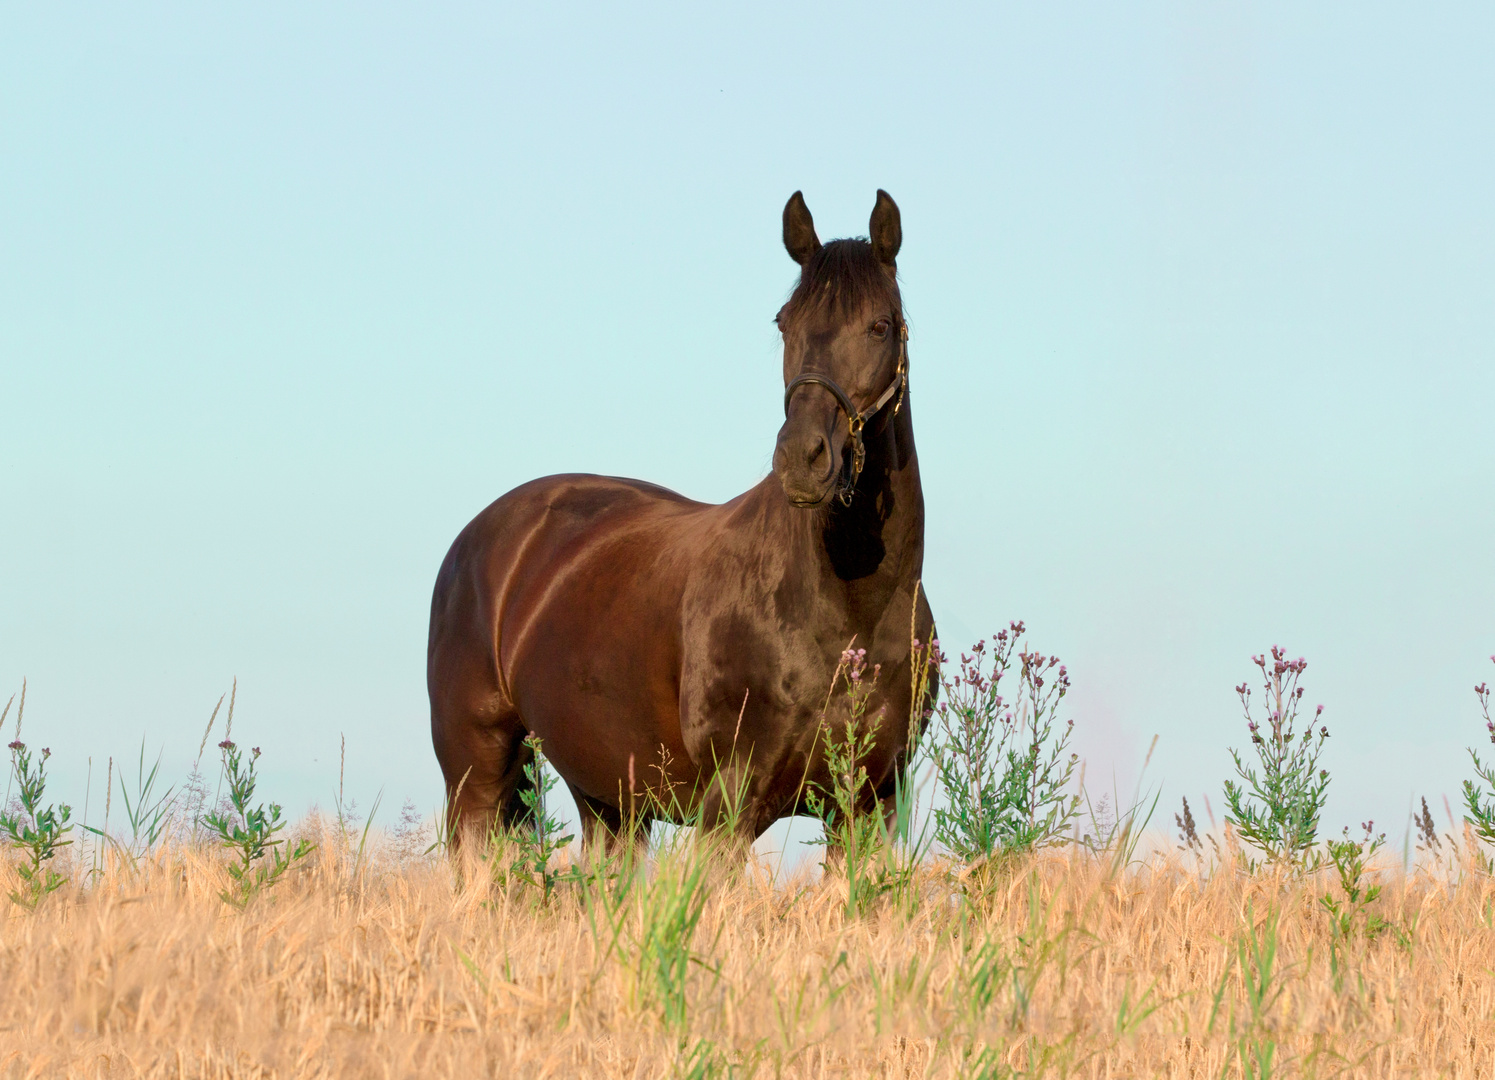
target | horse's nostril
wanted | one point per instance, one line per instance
(816, 449)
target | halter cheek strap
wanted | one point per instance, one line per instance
(856, 421)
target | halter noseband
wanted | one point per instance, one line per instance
(855, 421)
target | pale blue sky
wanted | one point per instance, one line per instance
(1202, 344)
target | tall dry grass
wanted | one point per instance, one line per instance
(1054, 966)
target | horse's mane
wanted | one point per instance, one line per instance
(841, 277)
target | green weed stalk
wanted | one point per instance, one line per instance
(541, 839)
(34, 830)
(1479, 806)
(858, 837)
(249, 833)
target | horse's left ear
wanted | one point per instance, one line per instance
(886, 229)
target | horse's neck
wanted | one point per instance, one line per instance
(870, 550)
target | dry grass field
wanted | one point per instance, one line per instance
(1059, 964)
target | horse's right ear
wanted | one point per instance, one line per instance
(799, 230)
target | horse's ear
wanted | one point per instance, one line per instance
(886, 229)
(799, 230)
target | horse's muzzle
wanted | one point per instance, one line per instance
(806, 464)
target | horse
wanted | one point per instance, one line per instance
(669, 653)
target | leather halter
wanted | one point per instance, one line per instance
(855, 420)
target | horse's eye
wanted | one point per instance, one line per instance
(880, 328)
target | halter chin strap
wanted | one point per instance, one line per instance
(855, 421)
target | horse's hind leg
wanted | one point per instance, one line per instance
(483, 759)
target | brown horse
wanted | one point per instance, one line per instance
(654, 643)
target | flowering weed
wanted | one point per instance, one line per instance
(1004, 770)
(1277, 810)
(1480, 807)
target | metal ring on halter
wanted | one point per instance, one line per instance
(856, 421)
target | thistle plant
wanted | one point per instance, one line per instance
(837, 805)
(1350, 859)
(34, 830)
(249, 832)
(857, 834)
(1480, 807)
(1004, 768)
(1277, 808)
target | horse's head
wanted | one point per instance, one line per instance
(844, 350)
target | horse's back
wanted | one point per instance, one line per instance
(521, 542)
(565, 510)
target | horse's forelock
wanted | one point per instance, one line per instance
(842, 277)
